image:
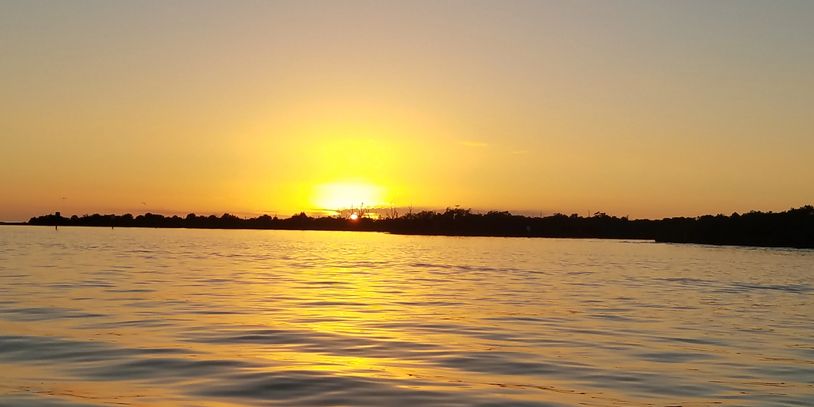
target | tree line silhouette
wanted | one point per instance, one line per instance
(792, 228)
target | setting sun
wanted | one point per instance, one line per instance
(344, 195)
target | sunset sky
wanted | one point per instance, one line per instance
(639, 108)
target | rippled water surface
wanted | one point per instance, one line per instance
(159, 317)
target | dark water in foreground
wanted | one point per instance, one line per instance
(161, 317)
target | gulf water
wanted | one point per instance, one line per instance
(175, 317)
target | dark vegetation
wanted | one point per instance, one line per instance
(792, 228)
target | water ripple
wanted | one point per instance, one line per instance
(93, 317)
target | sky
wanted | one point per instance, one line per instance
(640, 108)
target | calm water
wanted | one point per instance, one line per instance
(149, 317)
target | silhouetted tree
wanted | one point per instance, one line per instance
(792, 228)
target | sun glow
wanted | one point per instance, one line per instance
(344, 195)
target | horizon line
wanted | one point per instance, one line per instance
(274, 214)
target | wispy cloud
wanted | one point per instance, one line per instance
(474, 144)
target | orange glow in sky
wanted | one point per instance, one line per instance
(630, 108)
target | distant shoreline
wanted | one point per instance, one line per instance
(793, 228)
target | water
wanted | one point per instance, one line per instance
(151, 317)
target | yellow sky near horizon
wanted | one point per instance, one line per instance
(646, 109)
